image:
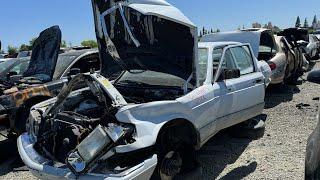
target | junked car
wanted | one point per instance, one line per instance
(22, 90)
(283, 62)
(308, 43)
(169, 100)
(312, 161)
(13, 67)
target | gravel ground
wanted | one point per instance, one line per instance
(279, 154)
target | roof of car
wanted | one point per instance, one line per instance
(79, 52)
(217, 44)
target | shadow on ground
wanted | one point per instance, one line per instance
(221, 151)
(277, 94)
(9, 157)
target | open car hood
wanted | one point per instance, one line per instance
(44, 55)
(295, 34)
(144, 35)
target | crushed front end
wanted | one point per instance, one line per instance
(75, 135)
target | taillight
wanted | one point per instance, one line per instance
(272, 66)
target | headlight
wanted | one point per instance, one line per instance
(96, 144)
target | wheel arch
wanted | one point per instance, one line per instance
(186, 129)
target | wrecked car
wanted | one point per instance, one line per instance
(21, 92)
(169, 100)
(301, 38)
(283, 62)
(312, 161)
(13, 67)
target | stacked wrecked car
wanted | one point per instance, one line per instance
(25, 82)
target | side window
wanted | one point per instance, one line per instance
(228, 61)
(243, 59)
(216, 56)
(87, 63)
(203, 61)
(227, 64)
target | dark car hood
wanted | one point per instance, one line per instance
(45, 54)
(144, 35)
(294, 34)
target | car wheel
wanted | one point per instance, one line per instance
(174, 158)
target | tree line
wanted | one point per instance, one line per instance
(28, 47)
(315, 23)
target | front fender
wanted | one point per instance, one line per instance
(148, 119)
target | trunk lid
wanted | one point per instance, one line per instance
(144, 35)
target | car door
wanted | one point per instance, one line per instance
(241, 98)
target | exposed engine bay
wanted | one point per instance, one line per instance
(75, 116)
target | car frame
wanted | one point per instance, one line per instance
(16, 104)
(201, 130)
(186, 116)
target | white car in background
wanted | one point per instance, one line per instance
(311, 46)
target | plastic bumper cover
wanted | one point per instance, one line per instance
(40, 167)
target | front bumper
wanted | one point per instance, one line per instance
(39, 166)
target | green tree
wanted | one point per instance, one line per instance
(298, 22)
(12, 50)
(90, 43)
(24, 47)
(306, 24)
(31, 42)
(315, 21)
(63, 44)
(201, 34)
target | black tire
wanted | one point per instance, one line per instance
(20, 121)
(174, 157)
(251, 129)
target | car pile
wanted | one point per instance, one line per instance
(159, 96)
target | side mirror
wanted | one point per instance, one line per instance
(12, 73)
(74, 71)
(229, 74)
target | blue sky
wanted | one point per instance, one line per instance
(21, 20)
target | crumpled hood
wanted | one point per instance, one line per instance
(144, 35)
(45, 54)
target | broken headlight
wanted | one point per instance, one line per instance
(99, 142)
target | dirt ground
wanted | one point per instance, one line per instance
(279, 154)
